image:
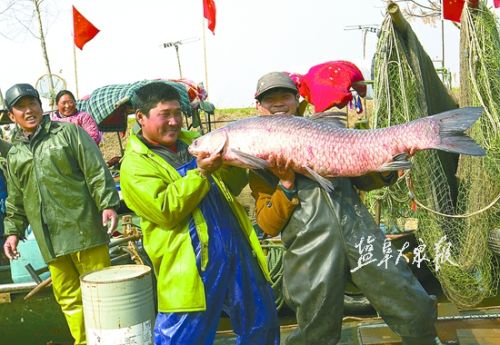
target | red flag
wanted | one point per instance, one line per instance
(452, 9)
(83, 30)
(497, 3)
(209, 13)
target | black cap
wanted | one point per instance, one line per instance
(275, 80)
(18, 91)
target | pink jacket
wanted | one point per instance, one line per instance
(82, 119)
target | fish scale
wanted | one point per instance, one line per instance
(322, 149)
(343, 151)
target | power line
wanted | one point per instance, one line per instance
(365, 28)
(370, 28)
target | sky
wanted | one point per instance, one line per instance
(251, 38)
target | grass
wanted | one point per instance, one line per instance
(235, 113)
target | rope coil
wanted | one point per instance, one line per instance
(412, 197)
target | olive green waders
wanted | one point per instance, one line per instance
(322, 241)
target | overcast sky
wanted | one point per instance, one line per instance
(251, 38)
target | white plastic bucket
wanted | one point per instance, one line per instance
(118, 305)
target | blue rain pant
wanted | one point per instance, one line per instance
(3, 197)
(233, 283)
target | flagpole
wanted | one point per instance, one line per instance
(76, 71)
(205, 53)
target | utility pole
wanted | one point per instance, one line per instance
(176, 45)
(365, 28)
(442, 44)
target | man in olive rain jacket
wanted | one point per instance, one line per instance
(327, 237)
(58, 183)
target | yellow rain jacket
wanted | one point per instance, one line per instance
(165, 201)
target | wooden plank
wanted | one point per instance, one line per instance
(478, 336)
(447, 309)
(381, 334)
(447, 329)
(377, 335)
(5, 297)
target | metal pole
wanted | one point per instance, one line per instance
(16, 287)
(205, 54)
(365, 31)
(120, 143)
(442, 45)
(33, 274)
(178, 59)
(76, 72)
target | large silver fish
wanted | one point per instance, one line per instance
(321, 150)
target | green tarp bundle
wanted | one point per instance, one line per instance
(109, 105)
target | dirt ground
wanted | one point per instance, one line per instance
(246, 199)
(110, 145)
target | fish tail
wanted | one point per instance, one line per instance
(452, 125)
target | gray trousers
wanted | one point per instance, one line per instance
(322, 247)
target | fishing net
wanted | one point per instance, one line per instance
(479, 177)
(274, 254)
(454, 217)
(397, 101)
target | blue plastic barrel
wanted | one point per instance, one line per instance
(30, 254)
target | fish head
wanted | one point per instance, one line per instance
(210, 143)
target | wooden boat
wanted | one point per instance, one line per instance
(38, 320)
(29, 314)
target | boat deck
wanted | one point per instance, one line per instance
(477, 326)
(38, 321)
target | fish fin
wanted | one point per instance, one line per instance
(399, 162)
(323, 181)
(452, 125)
(332, 118)
(250, 161)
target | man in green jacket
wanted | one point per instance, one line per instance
(58, 183)
(205, 253)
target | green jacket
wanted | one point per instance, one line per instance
(4, 151)
(4, 148)
(164, 200)
(58, 183)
